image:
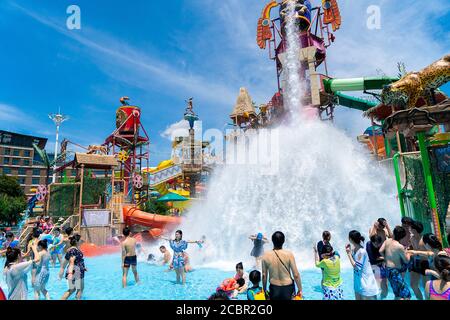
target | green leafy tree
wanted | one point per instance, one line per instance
(11, 209)
(12, 201)
(10, 187)
(152, 206)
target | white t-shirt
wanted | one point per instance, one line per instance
(365, 283)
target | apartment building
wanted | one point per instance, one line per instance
(19, 159)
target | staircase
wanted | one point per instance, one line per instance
(71, 221)
(116, 206)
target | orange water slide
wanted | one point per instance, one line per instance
(134, 216)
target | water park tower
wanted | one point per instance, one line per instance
(314, 37)
(191, 160)
(130, 147)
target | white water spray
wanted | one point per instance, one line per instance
(291, 70)
(325, 181)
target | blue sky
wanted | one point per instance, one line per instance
(161, 53)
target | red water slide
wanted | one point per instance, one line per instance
(134, 216)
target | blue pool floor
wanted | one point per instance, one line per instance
(104, 276)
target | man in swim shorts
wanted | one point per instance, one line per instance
(129, 257)
(396, 260)
(277, 266)
(167, 257)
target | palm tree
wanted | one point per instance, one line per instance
(47, 163)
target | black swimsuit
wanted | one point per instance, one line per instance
(130, 261)
(281, 292)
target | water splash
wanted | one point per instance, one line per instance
(293, 85)
(325, 181)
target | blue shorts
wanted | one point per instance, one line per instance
(398, 284)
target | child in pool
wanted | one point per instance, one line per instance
(231, 287)
(57, 248)
(256, 292)
(151, 258)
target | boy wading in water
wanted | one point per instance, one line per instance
(129, 257)
(277, 266)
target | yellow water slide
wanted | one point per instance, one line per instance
(158, 176)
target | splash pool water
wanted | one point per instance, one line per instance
(103, 282)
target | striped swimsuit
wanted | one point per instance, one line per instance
(439, 296)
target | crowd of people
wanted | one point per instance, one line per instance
(404, 259)
(43, 247)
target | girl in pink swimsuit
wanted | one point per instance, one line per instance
(440, 289)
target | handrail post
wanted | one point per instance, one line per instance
(399, 183)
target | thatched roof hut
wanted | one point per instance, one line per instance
(95, 161)
(243, 109)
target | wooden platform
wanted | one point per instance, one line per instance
(411, 121)
(96, 235)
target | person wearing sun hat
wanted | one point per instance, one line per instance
(258, 247)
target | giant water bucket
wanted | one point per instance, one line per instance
(128, 119)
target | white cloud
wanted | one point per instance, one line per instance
(180, 129)
(12, 117)
(409, 33)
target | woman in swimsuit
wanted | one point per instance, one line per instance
(377, 262)
(258, 247)
(42, 271)
(365, 285)
(440, 289)
(76, 269)
(418, 265)
(178, 246)
(32, 242)
(433, 247)
(16, 273)
(241, 274)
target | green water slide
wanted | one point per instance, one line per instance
(357, 84)
(335, 86)
(353, 102)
